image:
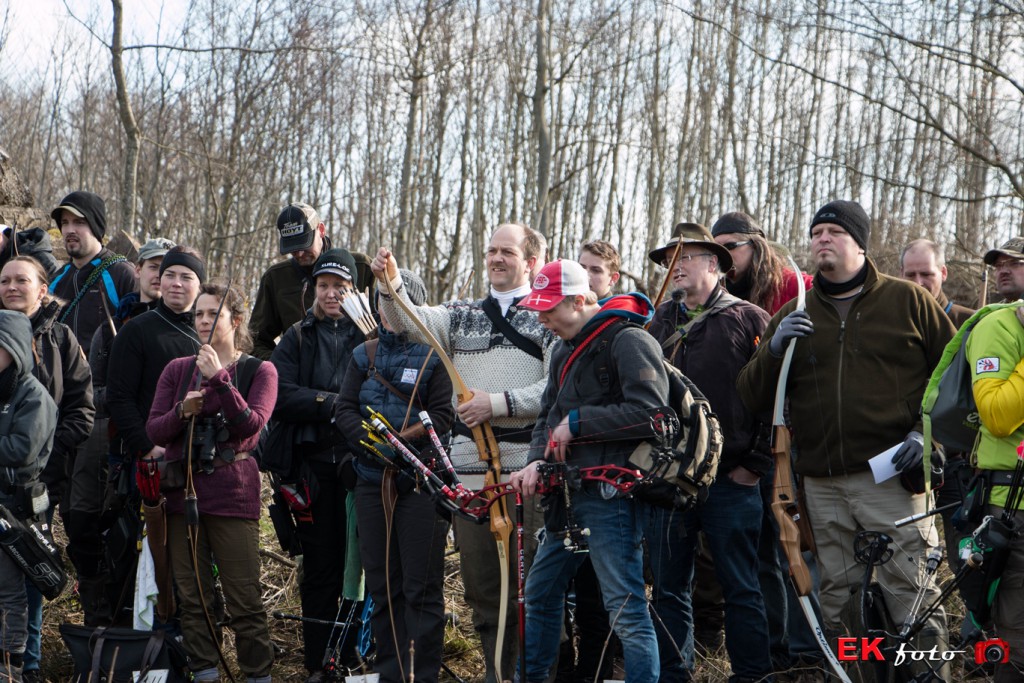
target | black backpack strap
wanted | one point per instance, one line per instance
(245, 372)
(501, 323)
(682, 331)
(151, 654)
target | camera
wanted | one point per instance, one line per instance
(992, 651)
(208, 432)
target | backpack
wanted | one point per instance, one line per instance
(681, 471)
(684, 471)
(948, 410)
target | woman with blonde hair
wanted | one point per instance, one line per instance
(311, 359)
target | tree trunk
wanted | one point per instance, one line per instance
(131, 128)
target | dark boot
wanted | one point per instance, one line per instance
(92, 593)
(10, 666)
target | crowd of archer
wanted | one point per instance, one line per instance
(550, 367)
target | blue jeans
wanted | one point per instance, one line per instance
(731, 520)
(34, 641)
(34, 628)
(616, 530)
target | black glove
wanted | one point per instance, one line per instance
(795, 325)
(910, 454)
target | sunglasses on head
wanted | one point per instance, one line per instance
(735, 245)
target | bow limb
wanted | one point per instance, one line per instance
(794, 530)
(487, 447)
(668, 275)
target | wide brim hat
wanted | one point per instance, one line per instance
(1014, 248)
(692, 233)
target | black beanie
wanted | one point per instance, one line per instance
(85, 205)
(850, 216)
(736, 222)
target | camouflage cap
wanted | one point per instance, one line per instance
(1014, 248)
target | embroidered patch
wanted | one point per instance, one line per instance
(409, 375)
(987, 365)
(540, 282)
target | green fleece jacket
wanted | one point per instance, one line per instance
(855, 386)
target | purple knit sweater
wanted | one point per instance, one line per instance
(232, 490)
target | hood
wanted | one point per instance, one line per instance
(634, 307)
(34, 241)
(16, 338)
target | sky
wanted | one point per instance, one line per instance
(34, 25)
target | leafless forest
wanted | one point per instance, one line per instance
(423, 123)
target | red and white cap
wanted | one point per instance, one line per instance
(556, 280)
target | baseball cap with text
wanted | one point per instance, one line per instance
(556, 280)
(297, 224)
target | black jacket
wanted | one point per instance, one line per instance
(402, 364)
(89, 313)
(141, 351)
(103, 341)
(712, 354)
(62, 369)
(305, 396)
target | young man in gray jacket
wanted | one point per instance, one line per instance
(605, 378)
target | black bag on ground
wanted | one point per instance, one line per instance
(123, 655)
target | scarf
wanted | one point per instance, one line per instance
(834, 289)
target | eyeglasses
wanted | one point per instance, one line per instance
(735, 245)
(689, 257)
(1009, 264)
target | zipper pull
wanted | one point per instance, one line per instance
(842, 331)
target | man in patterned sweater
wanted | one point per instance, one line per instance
(502, 352)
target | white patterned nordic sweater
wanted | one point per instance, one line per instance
(488, 361)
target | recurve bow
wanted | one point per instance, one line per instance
(784, 499)
(487, 447)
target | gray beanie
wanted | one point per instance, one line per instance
(413, 285)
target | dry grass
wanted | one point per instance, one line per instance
(280, 592)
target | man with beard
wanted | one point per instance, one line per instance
(96, 279)
(865, 347)
(92, 285)
(286, 289)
